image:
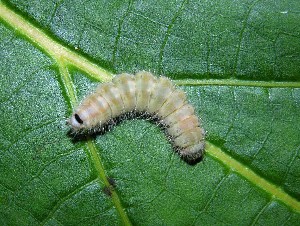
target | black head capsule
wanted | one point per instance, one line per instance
(78, 119)
(76, 122)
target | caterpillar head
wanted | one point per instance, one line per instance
(76, 122)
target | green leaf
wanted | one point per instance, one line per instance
(239, 63)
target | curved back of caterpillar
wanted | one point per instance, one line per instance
(144, 93)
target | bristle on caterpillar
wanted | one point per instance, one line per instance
(143, 94)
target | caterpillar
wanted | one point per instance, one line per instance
(144, 94)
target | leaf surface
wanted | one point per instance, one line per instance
(239, 63)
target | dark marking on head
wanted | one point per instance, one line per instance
(78, 119)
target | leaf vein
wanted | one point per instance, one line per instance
(167, 35)
(120, 24)
(248, 174)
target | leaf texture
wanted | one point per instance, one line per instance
(239, 63)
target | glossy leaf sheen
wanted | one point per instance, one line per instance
(239, 63)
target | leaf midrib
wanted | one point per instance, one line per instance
(236, 166)
(51, 47)
(66, 57)
(72, 58)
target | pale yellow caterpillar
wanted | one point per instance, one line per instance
(144, 94)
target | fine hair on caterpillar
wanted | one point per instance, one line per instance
(147, 97)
